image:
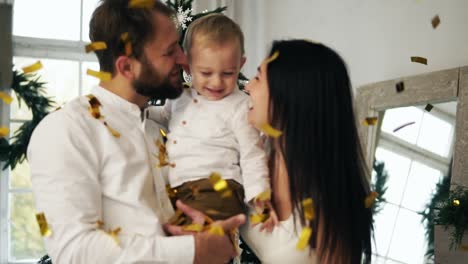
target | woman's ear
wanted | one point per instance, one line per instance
(125, 66)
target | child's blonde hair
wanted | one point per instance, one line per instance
(216, 28)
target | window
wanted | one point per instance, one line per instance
(57, 39)
(416, 158)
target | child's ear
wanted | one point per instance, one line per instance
(243, 59)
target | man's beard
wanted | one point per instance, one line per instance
(151, 84)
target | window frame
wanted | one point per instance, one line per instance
(35, 48)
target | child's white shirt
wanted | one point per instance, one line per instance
(213, 136)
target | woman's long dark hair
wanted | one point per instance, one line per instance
(311, 102)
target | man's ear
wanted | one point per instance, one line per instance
(125, 66)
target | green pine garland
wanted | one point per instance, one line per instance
(453, 212)
(31, 91)
(379, 186)
(448, 208)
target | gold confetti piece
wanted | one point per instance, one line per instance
(264, 196)
(128, 48)
(6, 98)
(435, 21)
(456, 202)
(100, 224)
(32, 68)
(141, 3)
(370, 199)
(95, 46)
(428, 107)
(112, 131)
(163, 133)
(403, 126)
(124, 36)
(193, 227)
(258, 218)
(162, 155)
(419, 60)
(4, 131)
(226, 194)
(218, 183)
(103, 76)
(212, 212)
(400, 87)
(270, 131)
(216, 230)
(370, 121)
(309, 210)
(171, 192)
(43, 226)
(115, 234)
(273, 57)
(304, 238)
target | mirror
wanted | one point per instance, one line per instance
(415, 144)
(420, 128)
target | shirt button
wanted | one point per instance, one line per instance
(195, 100)
(175, 141)
(184, 122)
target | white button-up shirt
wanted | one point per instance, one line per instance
(213, 136)
(82, 174)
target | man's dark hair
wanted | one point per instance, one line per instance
(112, 18)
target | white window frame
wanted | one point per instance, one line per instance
(412, 151)
(36, 48)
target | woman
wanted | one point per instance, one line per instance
(304, 91)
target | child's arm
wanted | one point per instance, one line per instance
(252, 157)
(253, 163)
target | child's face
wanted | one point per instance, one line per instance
(215, 68)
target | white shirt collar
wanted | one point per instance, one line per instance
(109, 98)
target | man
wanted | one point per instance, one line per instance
(94, 163)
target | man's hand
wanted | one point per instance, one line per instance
(209, 248)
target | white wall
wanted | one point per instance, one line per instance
(375, 37)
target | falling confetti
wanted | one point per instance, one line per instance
(258, 218)
(115, 234)
(94, 110)
(419, 60)
(141, 3)
(308, 206)
(369, 201)
(370, 121)
(400, 87)
(403, 126)
(270, 131)
(95, 46)
(273, 57)
(6, 97)
(32, 68)
(103, 76)
(435, 21)
(193, 227)
(216, 230)
(428, 107)
(4, 131)
(43, 225)
(456, 202)
(304, 238)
